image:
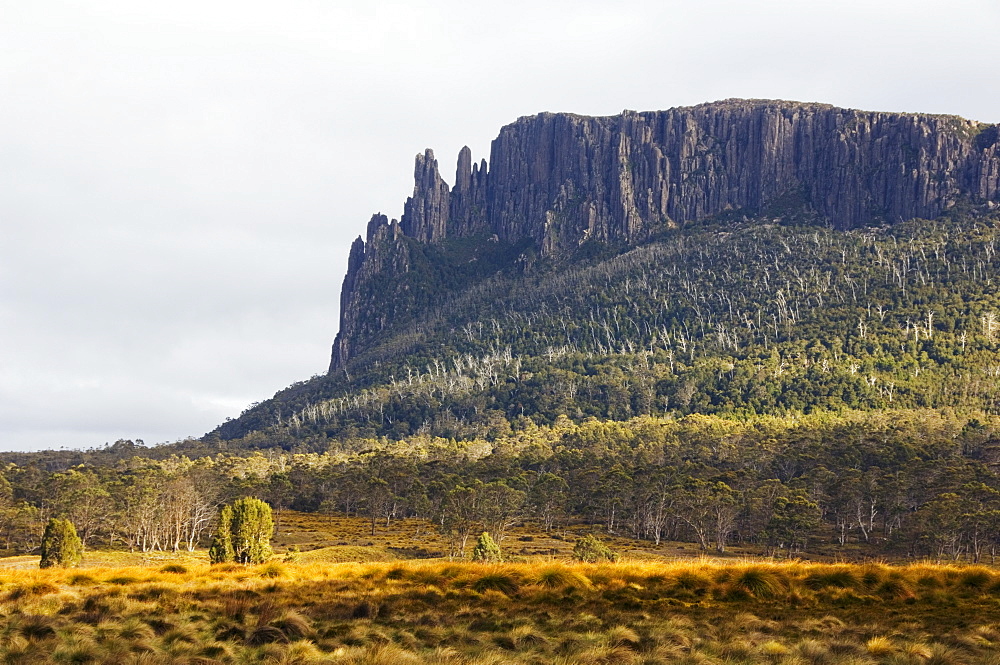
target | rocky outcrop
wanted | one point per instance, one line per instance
(384, 256)
(426, 213)
(468, 198)
(561, 179)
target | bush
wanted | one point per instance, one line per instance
(486, 549)
(244, 533)
(60, 545)
(590, 549)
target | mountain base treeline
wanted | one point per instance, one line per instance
(901, 484)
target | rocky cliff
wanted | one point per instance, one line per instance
(560, 180)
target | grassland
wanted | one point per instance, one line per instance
(543, 612)
(349, 539)
(335, 593)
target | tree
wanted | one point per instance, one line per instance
(458, 518)
(244, 532)
(793, 518)
(81, 497)
(500, 505)
(280, 493)
(548, 498)
(939, 523)
(710, 509)
(185, 513)
(24, 527)
(137, 497)
(379, 500)
(486, 550)
(60, 545)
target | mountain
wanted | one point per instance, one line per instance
(752, 323)
(744, 256)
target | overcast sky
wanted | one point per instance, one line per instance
(180, 181)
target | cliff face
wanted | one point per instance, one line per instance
(371, 267)
(561, 179)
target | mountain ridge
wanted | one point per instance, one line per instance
(560, 180)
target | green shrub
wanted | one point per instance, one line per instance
(590, 549)
(221, 549)
(486, 549)
(244, 533)
(60, 545)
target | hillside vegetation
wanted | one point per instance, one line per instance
(737, 319)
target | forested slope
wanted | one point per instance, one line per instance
(751, 317)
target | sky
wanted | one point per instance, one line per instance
(180, 181)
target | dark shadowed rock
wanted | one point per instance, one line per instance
(563, 178)
(425, 214)
(468, 198)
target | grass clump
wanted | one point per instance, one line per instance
(561, 577)
(975, 579)
(503, 581)
(272, 570)
(773, 650)
(759, 582)
(880, 646)
(81, 579)
(840, 578)
(692, 583)
(122, 580)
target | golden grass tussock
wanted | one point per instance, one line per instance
(624, 637)
(880, 645)
(504, 580)
(773, 651)
(561, 576)
(841, 577)
(759, 581)
(345, 554)
(302, 652)
(918, 651)
(522, 638)
(814, 651)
